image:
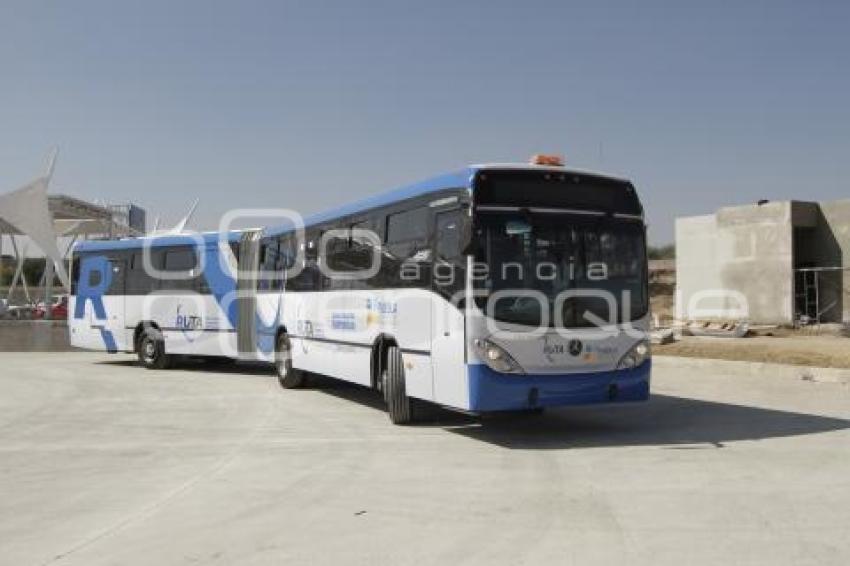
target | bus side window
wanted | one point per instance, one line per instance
(449, 263)
(182, 263)
(285, 260)
(75, 273)
(118, 267)
(409, 251)
(137, 281)
(448, 235)
(345, 254)
(288, 253)
(267, 278)
(408, 231)
(361, 249)
(310, 278)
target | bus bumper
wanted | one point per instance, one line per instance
(493, 391)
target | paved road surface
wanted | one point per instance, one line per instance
(102, 462)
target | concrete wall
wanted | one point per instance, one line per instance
(737, 263)
(753, 251)
(34, 336)
(836, 215)
(697, 264)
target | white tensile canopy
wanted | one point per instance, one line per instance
(45, 219)
(26, 209)
(52, 222)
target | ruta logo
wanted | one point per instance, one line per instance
(188, 322)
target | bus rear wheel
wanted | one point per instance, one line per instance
(289, 377)
(151, 350)
(395, 394)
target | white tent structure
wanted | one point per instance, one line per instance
(45, 219)
(27, 210)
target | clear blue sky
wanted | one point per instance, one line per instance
(309, 104)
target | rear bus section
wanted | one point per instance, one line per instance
(176, 291)
(96, 304)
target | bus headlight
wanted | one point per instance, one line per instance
(496, 357)
(638, 354)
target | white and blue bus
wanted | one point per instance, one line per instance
(496, 288)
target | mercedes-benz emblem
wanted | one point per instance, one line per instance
(575, 347)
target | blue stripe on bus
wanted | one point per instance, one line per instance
(155, 241)
(108, 341)
(458, 180)
(221, 284)
(493, 391)
(94, 294)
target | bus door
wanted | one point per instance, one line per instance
(447, 317)
(103, 294)
(246, 288)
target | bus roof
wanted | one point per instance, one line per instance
(457, 180)
(155, 241)
(461, 179)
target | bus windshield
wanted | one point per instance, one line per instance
(560, 269)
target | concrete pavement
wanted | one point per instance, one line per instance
(102, 462)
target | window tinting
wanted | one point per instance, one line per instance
(448, 235)
(138, 281)
(309, 279)
(288, 252)
(605, 258)
(75, 274)
(180, 260)
(411, 225)
(350, 253)
(449, 264)
(557, 190)
(270, 275)
(182, 264)
(117, 265)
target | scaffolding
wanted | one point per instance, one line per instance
(808, 295)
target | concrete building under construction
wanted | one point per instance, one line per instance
(770, 263)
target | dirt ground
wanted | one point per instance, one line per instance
(815, 346)
(815, 351)
(661, 301)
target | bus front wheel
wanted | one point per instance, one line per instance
(393, 386)
(289, 377)
(151, 350)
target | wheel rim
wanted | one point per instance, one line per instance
(149, 350)
(282, 358)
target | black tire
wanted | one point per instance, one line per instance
(533, 412)
(151, 350)
(395, 394)
(219, 360)
(289, 377)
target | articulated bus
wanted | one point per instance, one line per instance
(501, 287)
